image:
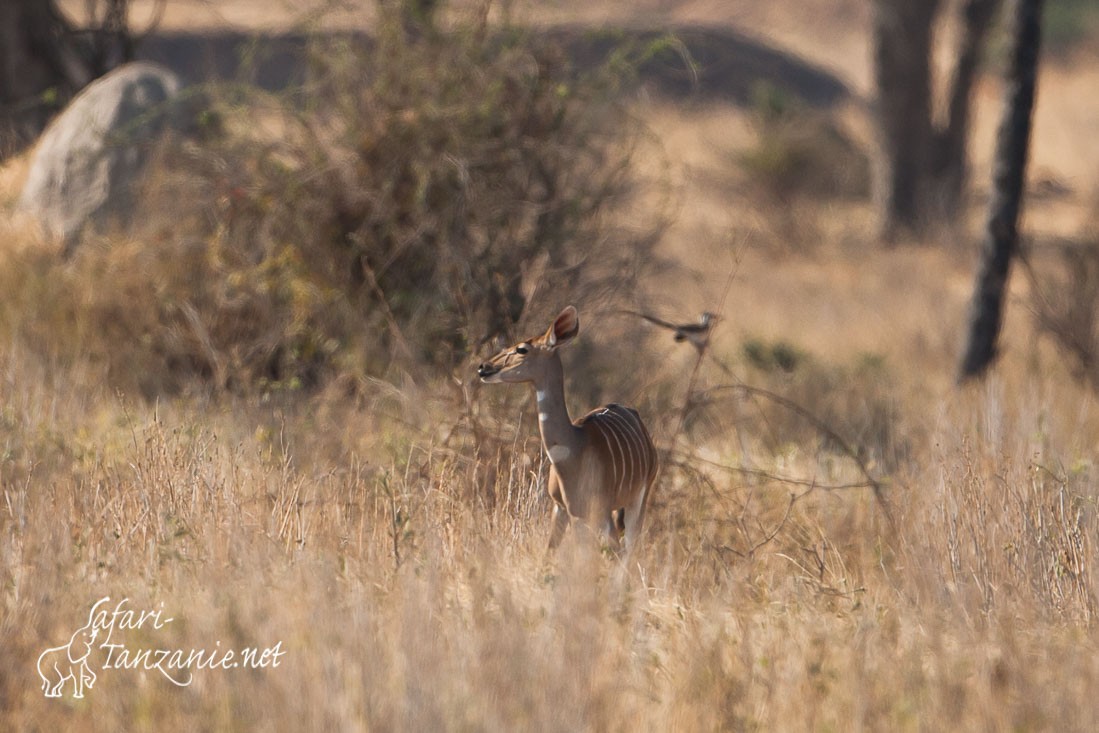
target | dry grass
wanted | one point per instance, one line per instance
(394, 548)
(390, 533)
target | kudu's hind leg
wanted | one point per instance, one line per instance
(557, 530)
(634, 516)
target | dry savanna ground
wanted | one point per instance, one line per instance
(841, 538)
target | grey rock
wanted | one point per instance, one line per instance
(90, 159)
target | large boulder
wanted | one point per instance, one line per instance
(90, 159)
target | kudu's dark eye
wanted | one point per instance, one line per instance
(521, 349)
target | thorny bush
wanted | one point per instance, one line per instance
(405, 204)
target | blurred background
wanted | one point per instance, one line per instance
(251, 252)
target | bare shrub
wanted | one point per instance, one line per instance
(472, 172)
(800, 166)
(854, 401)
(403, 206)
(802, 153)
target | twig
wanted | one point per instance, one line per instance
(703, 348)
(822, 427)
(751, 551)
(391, 320)
(778, 478)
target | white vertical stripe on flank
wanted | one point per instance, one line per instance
(650, 451)
(606, 426)
(618, 429)
(638, 437)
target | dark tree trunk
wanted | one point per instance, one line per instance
(922, 166)
(112, 44)
(44, 60)
(902, 53)
(951, 165)
(1001, 236)
(39, 69)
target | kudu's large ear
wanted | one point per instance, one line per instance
(564, 328)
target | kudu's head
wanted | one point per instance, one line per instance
(527, 360)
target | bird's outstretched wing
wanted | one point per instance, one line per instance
(652, 319)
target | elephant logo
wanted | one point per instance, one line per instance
(58, 665)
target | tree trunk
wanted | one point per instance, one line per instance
(922, 167)
(1001, 236)
(39, 69)
(902, 52)
(44, 60)
(951, 165)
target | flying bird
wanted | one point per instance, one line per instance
(697, 334)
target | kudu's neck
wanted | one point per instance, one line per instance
(560, 437)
